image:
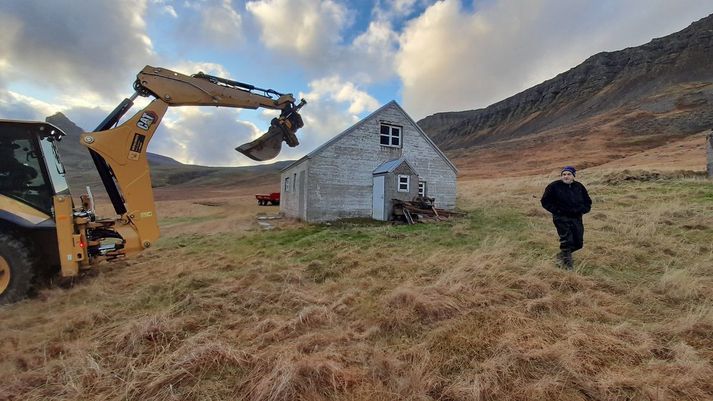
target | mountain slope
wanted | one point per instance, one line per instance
(629, 100)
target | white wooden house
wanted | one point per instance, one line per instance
(357, 173)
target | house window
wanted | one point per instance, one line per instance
(390, 135)
(422, 188)
(287, 184)
(294, 181)
(403, 183)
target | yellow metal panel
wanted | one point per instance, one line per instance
(22, 210)
(124, 149)
(70, 252)
(132, 243)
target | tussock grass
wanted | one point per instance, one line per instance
(467, 309)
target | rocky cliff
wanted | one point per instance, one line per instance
(662, 88)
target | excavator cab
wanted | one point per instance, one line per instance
(30, 168)
(31, 174)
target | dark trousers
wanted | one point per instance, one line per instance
(570, 231)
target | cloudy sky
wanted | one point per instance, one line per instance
(346, 57)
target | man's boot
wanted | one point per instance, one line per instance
(560, 261)
(567, 260)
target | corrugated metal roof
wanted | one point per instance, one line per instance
(391, 165)
(388, 166)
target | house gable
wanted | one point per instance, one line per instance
(360, 124)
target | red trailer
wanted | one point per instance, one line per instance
(272, 199)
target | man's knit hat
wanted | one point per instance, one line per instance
(570, 169)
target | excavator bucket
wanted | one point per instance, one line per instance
(264, 148)
(270, 143)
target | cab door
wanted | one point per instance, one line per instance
(22, 176)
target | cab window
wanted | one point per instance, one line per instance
(55, 168)
(21, 175)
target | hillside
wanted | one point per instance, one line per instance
(612, 105)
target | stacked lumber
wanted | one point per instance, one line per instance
(419, 208)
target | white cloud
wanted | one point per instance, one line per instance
(323, 119)
(165, 7)
(204, 136)
(312, 33)
(208, 25)
(454, 59)
(15, 106)
(170, 11)
(332, 88)
(305, 28)
(88, 118)
(70, 47)
(9, 31)
(222, 23)
(370, 58)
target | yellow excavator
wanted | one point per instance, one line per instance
(41, 228)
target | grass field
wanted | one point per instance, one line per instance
(467, 309)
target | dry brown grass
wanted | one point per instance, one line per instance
(471, 309)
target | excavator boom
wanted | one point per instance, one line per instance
(202, 89)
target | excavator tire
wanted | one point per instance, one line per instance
(16, 269)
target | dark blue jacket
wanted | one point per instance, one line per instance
(571, 200)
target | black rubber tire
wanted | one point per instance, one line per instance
(19, 257)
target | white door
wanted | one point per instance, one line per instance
(377, 200)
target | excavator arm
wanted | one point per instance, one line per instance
(119, 153)
(206, 90)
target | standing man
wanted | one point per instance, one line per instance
(567, 200)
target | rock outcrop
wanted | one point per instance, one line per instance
(664, 87)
